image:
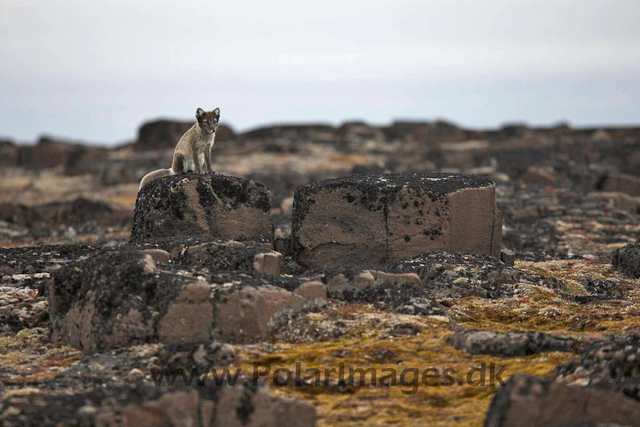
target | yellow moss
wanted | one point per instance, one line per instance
(380, 404)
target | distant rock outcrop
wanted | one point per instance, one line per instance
(203, 205)
(373, 219)
(517, 343)
(163, 134)
(9, 154)
(302, 131)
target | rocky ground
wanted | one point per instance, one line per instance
(96, 301)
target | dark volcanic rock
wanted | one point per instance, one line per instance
(203, 205)
(451, 274)
(162, 134)
(304, 132)
(219, 256)
(627, 259)
(80, 210)
(149, 405)
(611, 364)
(120, 298)
(110, 300)
(509, 343)
(528, 401)
(372, 219)
(39, 259)
(402, 292)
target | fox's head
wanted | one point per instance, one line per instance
(208, 120)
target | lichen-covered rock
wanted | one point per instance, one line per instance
(509, 343)
(40, 259)
(203, 205)
(155, 406)
(110, 300)
(373, 219)
(401, 292)
(456, 275)
(627, 259)
(120, 298)
(611, 364)
(220, 256)
(527, 401)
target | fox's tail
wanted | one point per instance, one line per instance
(153, 176)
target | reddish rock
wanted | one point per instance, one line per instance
(120, 298)
(208, 205)
(372, 219)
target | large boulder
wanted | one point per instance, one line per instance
(9, 154)
(627, 259)
(203, 205)
(531, 402)
(155, 406)
(374, 219)
(121, 298)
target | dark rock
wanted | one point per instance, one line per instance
(612, 364)
(540, 174)
(149, 405)
(507, 256)
(9, 154)
(622, 183)
(203, 355)
(509, 343)
(456, 275)
(111, 300)
(528, 401)
(218, 256)
(373, 219)
(627, 259)
(304, 132)
(203, 205)
(120, 298)
(164, 134)
(53, 214)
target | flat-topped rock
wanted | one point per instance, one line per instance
(620, 182)
(203, 205)
(374, 219)
(627, 259)
(121, 298)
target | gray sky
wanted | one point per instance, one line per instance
(94, 70)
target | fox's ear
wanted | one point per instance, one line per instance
(217, 112)
(199, 113)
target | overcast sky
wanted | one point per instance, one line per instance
(95, 70)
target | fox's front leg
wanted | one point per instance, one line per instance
(196, 160)
(207, 158)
